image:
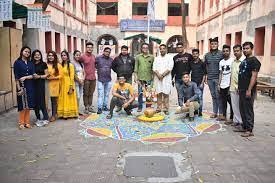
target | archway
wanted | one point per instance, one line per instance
(107, 40)
(136, 46)
(172, 43)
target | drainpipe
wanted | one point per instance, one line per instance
(88, 20)
(222, 21)
(65, 22)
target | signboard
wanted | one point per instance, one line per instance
(34, 19)
(5, 10)
(45, 21)
(141, 25)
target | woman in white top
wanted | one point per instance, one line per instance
(79, 75)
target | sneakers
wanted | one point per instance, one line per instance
(99, 111)
(118, 109)
(91, 110)
(45, 122)
(191, 119)
(109, 116)
(39, 123)
(86, 111)
(105, 108)
(213, 116)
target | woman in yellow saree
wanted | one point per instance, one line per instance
(67, 100)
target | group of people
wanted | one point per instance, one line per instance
(230, 80)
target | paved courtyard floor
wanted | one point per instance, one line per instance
(60, 153)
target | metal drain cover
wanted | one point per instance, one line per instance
(150, 166)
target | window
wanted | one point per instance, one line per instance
(107, 40)
(82, 45)
(238, 38)
(201, 47)
(211, 3)
(109, 8)
(48, 41)
(75, 43)
(228, 39)
(174, 9)
(69, 44)
(57, 42)
(259, 41)
(273, 41)
(198, 45)
(199, 7)
(203, 6)
(139, 8)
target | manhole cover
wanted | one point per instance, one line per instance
(150, 166)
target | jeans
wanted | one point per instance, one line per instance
(103, 89)
(179, 84)
(213, 87)
(201, 97)
(79, 91)
(140, 92)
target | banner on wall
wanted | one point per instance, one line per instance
(35, 16)
(5, 10)
(45, 21)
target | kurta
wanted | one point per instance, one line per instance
(162, 64)
(54, 84)
(39, 85)
(26, 101)
(67, 104)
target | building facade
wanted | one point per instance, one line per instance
(237, 21)
(114, 20)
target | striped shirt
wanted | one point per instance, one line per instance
(212, 60)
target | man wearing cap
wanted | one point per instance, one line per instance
(212, 60)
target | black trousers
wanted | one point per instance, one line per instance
(119, 102)
(224, 98)
(54, 106)
(247, 110)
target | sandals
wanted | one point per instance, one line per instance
(28, 126)
(21, 127)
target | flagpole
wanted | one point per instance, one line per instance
(148, 29)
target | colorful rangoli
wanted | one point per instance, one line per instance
(174, 128)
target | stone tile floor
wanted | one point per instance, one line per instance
(59, 154)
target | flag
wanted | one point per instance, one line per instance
(151, 9)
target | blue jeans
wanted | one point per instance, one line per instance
(213, 87)
(201, 97)
(140, 92)
(103, 93)
(179, 84)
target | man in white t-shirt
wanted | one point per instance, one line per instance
(224, 82)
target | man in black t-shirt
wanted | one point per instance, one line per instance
(181, 65)
(198, 74)
(248, 73)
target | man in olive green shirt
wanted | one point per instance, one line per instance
(143, 73)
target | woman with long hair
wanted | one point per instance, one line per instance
(41, 69)
(79, 76)
(67, 101)
(55, 74)
(24, 74)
